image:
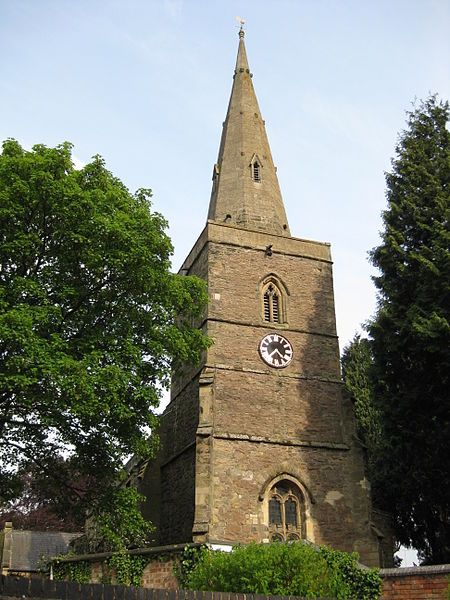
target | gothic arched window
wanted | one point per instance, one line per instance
(286, 512)
(273, 298)
(256, 171)
(271, 301)
(256, 168)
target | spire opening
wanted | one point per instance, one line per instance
(256, 169)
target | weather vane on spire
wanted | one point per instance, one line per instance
(241, 22)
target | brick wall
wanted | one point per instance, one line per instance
(416, 583)
(159, 574)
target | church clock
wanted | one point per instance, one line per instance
(275, 350)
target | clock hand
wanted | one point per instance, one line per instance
(273, 352)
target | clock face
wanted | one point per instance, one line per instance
(276, 350)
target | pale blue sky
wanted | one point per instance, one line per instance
(146, 85)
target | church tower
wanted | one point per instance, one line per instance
(258, 442)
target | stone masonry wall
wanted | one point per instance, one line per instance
(277, 408)
(178, 493)
(169, 480)
(234, 423)
(235, 273)
(267, 422)
(242, 470)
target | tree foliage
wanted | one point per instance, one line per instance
(411, 336)
(36, 507)
(91, 322)
(357, 367)
(297, 569)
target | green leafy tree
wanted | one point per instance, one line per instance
(91, 323)
(411, 336)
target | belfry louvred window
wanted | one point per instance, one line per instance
(271, 301)
(286, 520)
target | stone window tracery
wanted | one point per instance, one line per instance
(272, 304)
(286, 512)
(273, 300)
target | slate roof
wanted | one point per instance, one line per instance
(30, 547)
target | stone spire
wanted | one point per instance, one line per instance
(245, 190)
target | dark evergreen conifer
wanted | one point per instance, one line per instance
(411, 336)
(357, 365)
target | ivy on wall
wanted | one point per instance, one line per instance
(120, 568)
(73, 571)
(127, 569)
(186, 563)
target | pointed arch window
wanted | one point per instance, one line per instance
(273, 298)
(256, 168)
(272, 304)
(286, 512)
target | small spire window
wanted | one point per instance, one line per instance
(256, 168)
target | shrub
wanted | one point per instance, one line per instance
(297, 569)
